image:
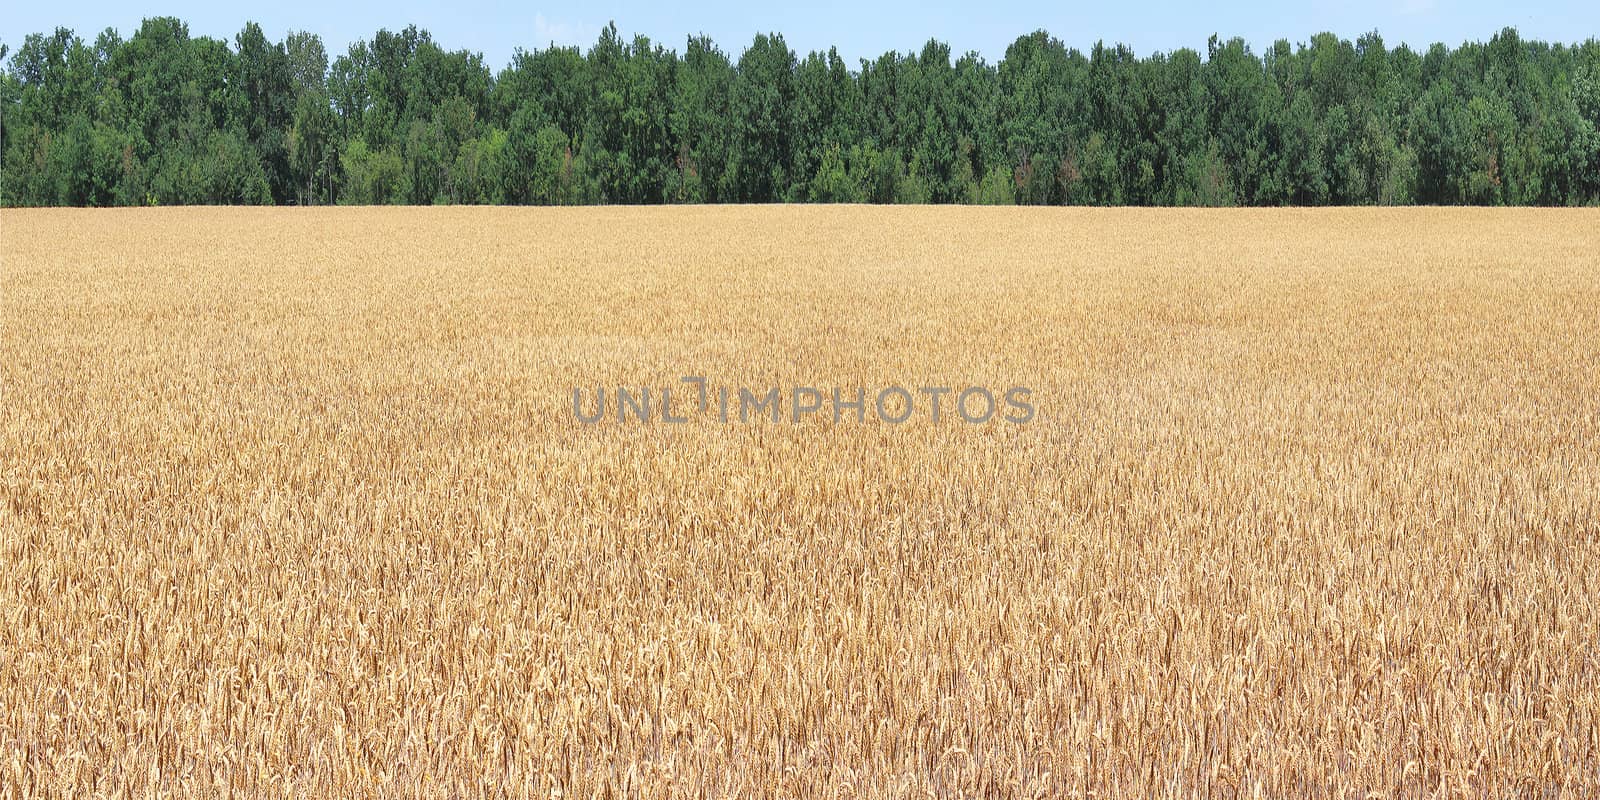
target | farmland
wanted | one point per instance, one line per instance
(294, 501)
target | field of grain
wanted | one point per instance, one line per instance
(294, 503)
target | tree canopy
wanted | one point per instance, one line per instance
(167, 118)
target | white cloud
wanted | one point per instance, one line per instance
(561, 32)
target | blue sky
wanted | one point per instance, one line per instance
(859, 29)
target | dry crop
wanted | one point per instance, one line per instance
(294, 503)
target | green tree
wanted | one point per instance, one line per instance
(268, 106)
(761, 100)
(163, 117)
(373, 177)
(699, 123)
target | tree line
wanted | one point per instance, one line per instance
(166, 118)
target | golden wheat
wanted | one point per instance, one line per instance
(294, 503)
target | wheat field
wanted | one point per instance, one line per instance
(295, 503)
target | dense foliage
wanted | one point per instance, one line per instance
(163, 117)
